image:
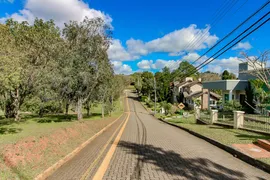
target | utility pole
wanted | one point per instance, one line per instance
(155, 89)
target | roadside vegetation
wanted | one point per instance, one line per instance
(57, 89)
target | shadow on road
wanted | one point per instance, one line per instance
(172, 163)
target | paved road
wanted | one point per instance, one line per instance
(150, 149)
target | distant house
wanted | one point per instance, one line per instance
(190, 90)
(233, 89)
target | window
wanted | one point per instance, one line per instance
(226, 97)
(212, 102)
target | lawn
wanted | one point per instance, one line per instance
(30, 125)
(224, 135)
(36, 143)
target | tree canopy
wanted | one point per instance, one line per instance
(45, 69)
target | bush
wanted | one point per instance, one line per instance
(149, 103)
(144, 98)
(173, 110)
(232, 106)
(167, 107)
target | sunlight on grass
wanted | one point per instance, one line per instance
(32, 125)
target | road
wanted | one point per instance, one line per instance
(140, 147)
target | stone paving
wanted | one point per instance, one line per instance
(150, 149)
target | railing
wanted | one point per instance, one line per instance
(225, 118)
(205, 116)
(257, 122)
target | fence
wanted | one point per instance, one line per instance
(236, 119)
(205, 116)
(225, 118)
(257, 122)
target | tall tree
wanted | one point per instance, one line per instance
(37, 46)
(163, 80)
(147, 83)
(88, 43)
(227, 75)
(185, 69)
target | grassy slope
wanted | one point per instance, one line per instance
(36, 127)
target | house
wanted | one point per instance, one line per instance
(233, 89)
(189, 91)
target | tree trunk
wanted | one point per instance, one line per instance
(88, 108)
(79, 109)
(102, 110)
(67, 108)
(112, 103)
(12, 105)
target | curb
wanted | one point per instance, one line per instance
(258, 164)
(62, 161)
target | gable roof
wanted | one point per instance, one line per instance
(199, 93)
(192, 84)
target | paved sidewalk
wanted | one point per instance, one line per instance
(85, 159)
(150, 149)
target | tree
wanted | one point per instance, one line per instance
(249, 104)
(88, 42)
(147, 84)
(258, 63)
(185, 69)
(209, 76)
(34, 49)
(227, 75)
(163, 80)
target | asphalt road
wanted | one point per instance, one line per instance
(140, 147)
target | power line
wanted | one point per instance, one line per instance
(200, 39)
(245, 21)
(218, 13)
(233, 14)
(240, 25)
(212, 59)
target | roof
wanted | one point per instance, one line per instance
(226, 84)
(182, 83)
(199, 93)
(192, 83)
(217, 96)
(194, 94)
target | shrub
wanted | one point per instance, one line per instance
(149, 103)
(232, 106)
(167, 107)
(144, 98)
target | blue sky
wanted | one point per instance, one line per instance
(151, 34)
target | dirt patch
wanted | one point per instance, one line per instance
(34, 154)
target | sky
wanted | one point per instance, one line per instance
(151, 34)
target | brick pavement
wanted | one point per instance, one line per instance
(170, 153)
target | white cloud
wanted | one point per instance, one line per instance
(177, 41)
(136, 47)
(243, 46)
(158, 64)
(171, 64)
(145, 64)
(120, 68)
(60, 10)
(117, 52)
(219, 65)
(176, 53)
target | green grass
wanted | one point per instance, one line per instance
(221, 134)
(32, 125)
